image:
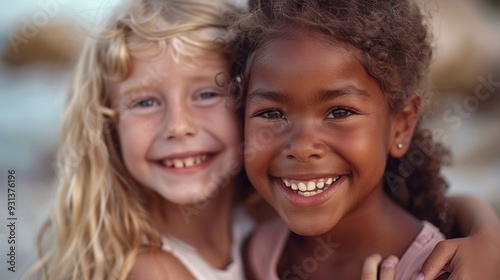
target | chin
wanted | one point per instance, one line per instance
(309, 231)
(203, 194)
(186, 195)
(306, 226)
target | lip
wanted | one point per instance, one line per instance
(308, 177)
(184, 155)
(186, 170)
(312, 201)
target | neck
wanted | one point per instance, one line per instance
(205, 225)
(199, 219)
(377, 225)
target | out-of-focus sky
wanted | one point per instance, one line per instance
(32, 99)
(34, 103)
(31, 104)
(90, 12)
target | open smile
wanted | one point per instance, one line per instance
(310, 187)
(310, 191)
(186, 162)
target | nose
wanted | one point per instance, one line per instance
(304, 145)
(179, 124)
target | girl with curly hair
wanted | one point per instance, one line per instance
(333, 94)
(150, 157)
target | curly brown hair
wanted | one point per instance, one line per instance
(395, 45)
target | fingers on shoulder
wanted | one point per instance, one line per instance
(370, 267)
(440, 257)
(387, 269)
(158, 265)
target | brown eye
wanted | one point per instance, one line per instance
(339, 113)
(272, 114)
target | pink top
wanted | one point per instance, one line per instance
(269, 240)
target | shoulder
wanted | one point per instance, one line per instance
(416, 254)
(156, 265)
(268, 235)
(249, 275)
(265, 248)
(425, 242)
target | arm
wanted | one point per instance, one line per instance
(473, 214)
(475, 256)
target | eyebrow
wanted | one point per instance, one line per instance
(322, 96)
(329, 94)
(195, 78)
(123, 93)
(260, 94)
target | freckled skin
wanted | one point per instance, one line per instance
(349, 134)
(177, 108)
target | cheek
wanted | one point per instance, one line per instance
(367, 149)
(132, 138)
(225, 126)
(258, 150)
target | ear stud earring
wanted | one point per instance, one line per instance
(400, 146)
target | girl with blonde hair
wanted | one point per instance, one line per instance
(150, 158)
(150, 154)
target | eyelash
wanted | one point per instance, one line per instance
(212, 95)
(139, 103)
(343, 110)
(266, 114)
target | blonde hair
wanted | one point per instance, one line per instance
(102, 216)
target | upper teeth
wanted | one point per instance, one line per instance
(309, 188)
(185, 162)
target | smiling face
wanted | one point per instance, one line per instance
(329, 132)
(177, 128)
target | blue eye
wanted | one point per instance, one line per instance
(207, 95)
(339, 113)
(146, 103)
(271, 114)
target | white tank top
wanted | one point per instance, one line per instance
(199, 268)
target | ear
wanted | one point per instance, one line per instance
(403, 127)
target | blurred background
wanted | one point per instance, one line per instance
(40, 41)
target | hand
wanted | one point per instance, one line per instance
(476, 256)
(387, 269)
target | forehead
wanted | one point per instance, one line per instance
(168, 69)
(309, 48)
(304, 56)
(171, 63)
